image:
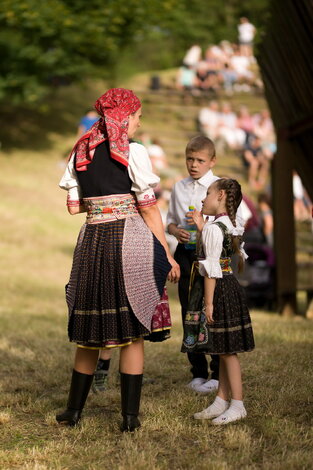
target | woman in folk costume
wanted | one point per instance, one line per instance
(115, 294)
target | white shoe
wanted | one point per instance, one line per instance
(213, 411)
(195, 383)
(207, 387)
(229, 416)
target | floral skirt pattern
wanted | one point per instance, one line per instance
(231, 332)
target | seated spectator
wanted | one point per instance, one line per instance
(227, 51)
(228, 77)
(241, 65)
(256, 161)
(209, 120)
(163, 198)
(86, 122)
(216, 52)
(157, 156)
(186, 78)
(245, 121)
(202, 79)
(228, 130)
(264, 129)
(266, 216)
(253, 228)
(214, 66)
(193, 56)
(264, 120)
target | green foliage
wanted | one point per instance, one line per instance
(51, 43)
(56, 42)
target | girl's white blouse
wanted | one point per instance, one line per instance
(139, 170)
(212, 241)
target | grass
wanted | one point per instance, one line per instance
(37, 240)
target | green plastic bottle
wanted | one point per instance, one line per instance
(192, 229)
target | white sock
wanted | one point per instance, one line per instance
(219, 404)
(238, 404)
(218, 407)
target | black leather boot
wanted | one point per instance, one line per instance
(78, 394)
(130, 395)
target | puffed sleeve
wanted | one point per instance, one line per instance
(212, 239)
(70, 183)
(170, 218)
(140, 172)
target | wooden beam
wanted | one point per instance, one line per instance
(284, 229)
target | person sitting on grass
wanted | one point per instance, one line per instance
(256, 162)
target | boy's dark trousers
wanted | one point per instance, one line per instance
(198, 361)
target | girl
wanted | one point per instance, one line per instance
(218, 320)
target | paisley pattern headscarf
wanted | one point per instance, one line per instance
(114, 108)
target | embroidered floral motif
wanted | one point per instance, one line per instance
(190, 340)
(147, 201)
(74, 203)
(108, 208)
(225, 265)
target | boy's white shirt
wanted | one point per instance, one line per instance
(188, 192)
(191, 192)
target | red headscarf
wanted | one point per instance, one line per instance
(114, 107)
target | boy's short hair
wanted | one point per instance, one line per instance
(200, 142)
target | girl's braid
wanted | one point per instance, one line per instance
(233, 198)
(230, 201)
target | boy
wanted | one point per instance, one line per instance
(200, 159)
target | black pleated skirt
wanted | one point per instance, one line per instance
(231, 332)
(100, 314)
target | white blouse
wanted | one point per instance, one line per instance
(139, 170)
(212, 240)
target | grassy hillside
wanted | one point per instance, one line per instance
(37, 240)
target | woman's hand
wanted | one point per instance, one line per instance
(152, 218)
(195, 217)
(174, 273)
(209, 313)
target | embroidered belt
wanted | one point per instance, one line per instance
(110, 208)
(226, 265)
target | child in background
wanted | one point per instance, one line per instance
(200, 159)
(218, 320)
(102, 369)
(87, 121)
